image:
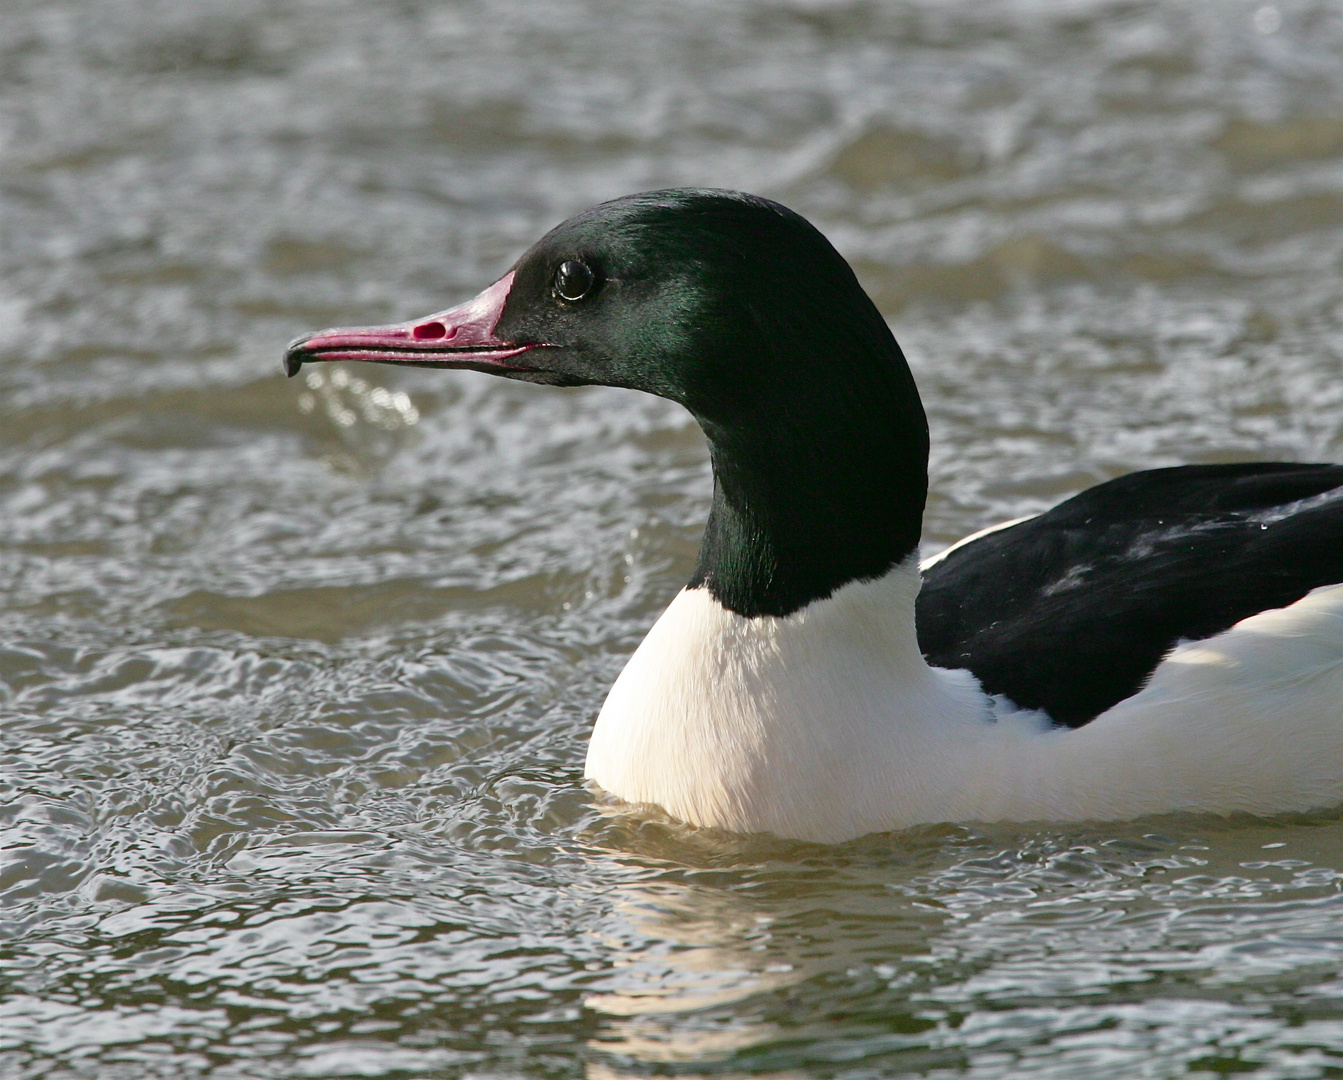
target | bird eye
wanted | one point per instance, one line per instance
(573, 280)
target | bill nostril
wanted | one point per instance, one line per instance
(430, 331)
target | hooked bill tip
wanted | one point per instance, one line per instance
(293, 355)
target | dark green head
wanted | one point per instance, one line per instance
(741, 311)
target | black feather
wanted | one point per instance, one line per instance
(1071, 611)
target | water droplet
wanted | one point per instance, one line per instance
(1268, 19)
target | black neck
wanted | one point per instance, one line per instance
(824, 485)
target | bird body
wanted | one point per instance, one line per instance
(828, 723)
(1170, 640)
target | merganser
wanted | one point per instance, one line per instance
(1171, 640)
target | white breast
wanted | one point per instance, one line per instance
(827, 724)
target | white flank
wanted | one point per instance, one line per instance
(827, 724)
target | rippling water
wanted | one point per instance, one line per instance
(296, 677)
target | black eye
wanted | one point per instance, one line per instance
(573, 280)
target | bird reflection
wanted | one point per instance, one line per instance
(714, 940)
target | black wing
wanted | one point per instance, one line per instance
(1070, 611)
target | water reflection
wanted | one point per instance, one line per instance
(965, 946)
(714, 960)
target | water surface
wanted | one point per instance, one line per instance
(296, 677)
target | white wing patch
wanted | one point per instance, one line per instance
(933, 560)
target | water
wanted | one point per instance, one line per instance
(296, 677)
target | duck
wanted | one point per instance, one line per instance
(1168, 641)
